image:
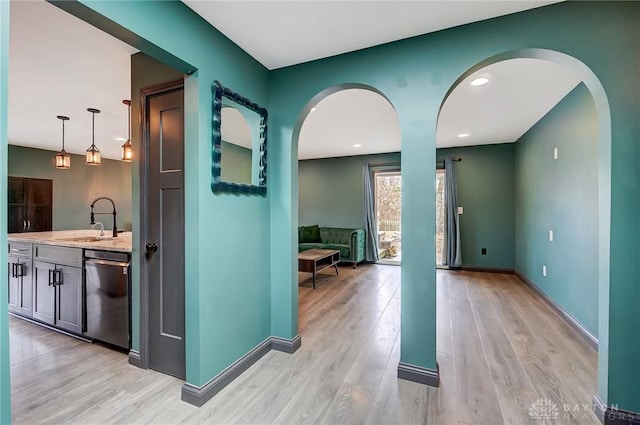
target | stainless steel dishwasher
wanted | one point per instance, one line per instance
(107, 305)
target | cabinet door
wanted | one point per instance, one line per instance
(69, 299)
(25, 302)
(17, 190)
(43, 292)
(39, 205)
(14, 286)
(17, 204)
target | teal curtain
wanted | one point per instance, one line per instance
(370, 222)
(451, 253)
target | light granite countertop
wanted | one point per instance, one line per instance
(64, 238)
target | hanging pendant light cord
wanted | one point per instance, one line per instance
(93, 129)
(62, 135)
(129, 122)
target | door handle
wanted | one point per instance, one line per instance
(51, 277)
(24, 224)
(57, 277)
(13, 270)
(19, 270)
(150, 248)
(28, 224)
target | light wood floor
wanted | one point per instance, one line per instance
(500, 349)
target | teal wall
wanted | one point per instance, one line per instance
(561, 195)
(330, 191)
(75, 188)
(5, 370)
(227, 304)
(236, 163)
(485, 183)
(416, 75)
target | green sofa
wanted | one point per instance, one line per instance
(350, 242)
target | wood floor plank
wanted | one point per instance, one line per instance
(444, 333)
(511, 382)
(580, 382)
(536, 359)
(442, 407)
(476, 397)
(568, 334)
(398, 401)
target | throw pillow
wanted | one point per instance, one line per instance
(310, 234)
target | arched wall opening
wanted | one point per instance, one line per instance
(603, 130)
(339, 131)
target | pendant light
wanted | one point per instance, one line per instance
(127, 148)
(63, 159)
(93, 153)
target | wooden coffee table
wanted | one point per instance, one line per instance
(315, 260)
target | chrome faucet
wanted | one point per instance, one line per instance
(101, 227)
(93, 220)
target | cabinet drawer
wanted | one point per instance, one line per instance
(20, 249)
(58, 255)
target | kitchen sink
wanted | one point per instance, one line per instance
(83, 239)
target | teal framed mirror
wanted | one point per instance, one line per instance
(239, 144)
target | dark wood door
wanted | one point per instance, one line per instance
(164, 118)
(39, 205)
(17, 204)
(30, 205)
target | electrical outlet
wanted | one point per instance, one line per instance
(483, 251)
(460, 210)
(544, 271)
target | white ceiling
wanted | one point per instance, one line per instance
(283, 33)
(519, 93)
(347, 118)
(60, 65)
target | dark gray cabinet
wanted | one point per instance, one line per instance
(19, 280)
(57, 286)
(68, 298)
(43, 292)
(20, 286)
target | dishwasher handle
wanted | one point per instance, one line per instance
(94, 262)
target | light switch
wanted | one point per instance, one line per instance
(550, 235)
(555, 153)
(460, 210)
(544, 270)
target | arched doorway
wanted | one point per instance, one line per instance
(603, 160)
(345, 136)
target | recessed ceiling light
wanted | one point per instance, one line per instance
(121, 139)
(480, 81)
(463, 135)
(357, 146)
